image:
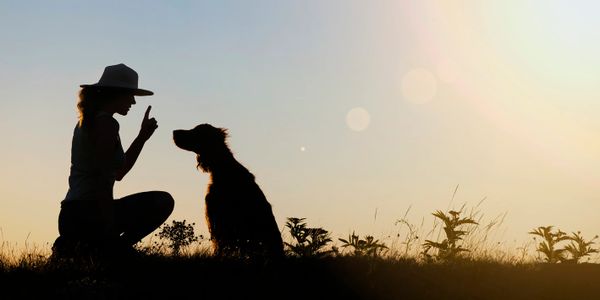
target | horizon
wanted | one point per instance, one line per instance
(348, 113)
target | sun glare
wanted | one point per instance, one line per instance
(419, 86)
(447, 71)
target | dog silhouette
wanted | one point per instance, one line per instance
(239, 217)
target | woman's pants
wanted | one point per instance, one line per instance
(126, 220)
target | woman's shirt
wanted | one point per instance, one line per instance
(87, 177)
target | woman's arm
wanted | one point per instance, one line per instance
(105, 133)
(148, 127)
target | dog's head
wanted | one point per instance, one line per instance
(207, 141)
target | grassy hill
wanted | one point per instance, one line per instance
(462, 264)
(342, 277)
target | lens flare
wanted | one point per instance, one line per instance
(358, 119)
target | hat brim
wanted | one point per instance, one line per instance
(136, 92)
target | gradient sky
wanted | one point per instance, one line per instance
(347, 112)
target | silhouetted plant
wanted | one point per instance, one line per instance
(411, 238)
(579, 247)
(367, 247)
(448, 249)
(179, 235)
(307, 241)
(548, 246)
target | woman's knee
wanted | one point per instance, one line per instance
(164, 202)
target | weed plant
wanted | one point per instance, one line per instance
(368, 246)
(307, 241)
(551, 252)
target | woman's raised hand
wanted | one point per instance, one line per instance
(149, 125)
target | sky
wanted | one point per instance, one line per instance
(349, 113)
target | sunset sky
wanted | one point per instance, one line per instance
(347, 112)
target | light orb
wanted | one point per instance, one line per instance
(358, 119)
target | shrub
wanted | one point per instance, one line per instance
(307, 241)
(367, 247)
(548, 246)
(448, 249)
(571, 253)
(579, 247)
(179, 235)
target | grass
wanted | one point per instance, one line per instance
(200, 275)
(417, 263)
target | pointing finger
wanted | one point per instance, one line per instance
(147, 112)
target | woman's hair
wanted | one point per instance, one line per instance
(91, 100)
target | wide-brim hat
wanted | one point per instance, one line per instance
(122, 77)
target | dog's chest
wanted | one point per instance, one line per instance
(232, 193)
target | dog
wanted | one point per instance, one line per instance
(239, 217)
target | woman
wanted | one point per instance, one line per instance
(89, 214)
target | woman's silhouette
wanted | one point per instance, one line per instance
(89, 214)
